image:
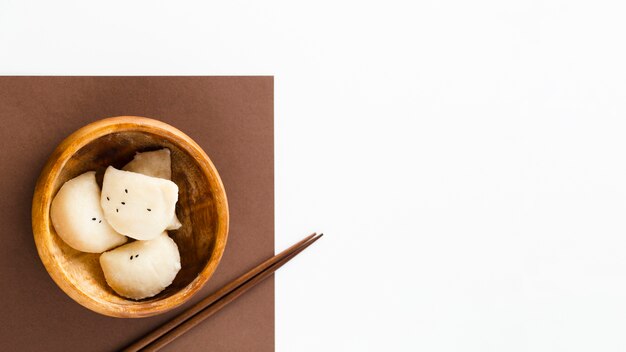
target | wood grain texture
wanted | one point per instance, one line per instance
(202, 208)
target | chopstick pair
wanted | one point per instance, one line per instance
(208, 306)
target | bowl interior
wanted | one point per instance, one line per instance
(196, 209)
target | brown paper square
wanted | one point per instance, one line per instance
(231, 118)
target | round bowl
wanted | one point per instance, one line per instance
(202, 209)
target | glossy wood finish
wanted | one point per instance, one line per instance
(202, 208)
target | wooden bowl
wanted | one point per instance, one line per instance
(202, 208)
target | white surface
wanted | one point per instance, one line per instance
(464, 158)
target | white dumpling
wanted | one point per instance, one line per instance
(137, 205)
(174, 224)
(78, 219)
(141, 269)
(156, 163)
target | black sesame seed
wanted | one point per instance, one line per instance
(99, 221)
(108, 198)
(123, 203)
(126, 190)
(131, 257)
(117, 210)
(149, 209)
(136, 255)
(94, 219)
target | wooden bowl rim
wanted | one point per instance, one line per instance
(42, 199)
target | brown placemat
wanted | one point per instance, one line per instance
(231, 118)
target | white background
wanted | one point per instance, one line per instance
(465, 159)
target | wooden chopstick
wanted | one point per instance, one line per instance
(213, 302)
(212, 298)
(219, 304)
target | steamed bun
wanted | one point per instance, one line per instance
(78, 218)
(156, 163)
(141, 269)
(136, 205)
